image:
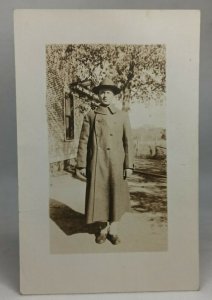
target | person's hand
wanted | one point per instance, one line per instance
(127, 173)
(81, 173)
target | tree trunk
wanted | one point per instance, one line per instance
(126, 100)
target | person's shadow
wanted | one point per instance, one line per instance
(71, 221)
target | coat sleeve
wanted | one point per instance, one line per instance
(83, 142)
(128, 143)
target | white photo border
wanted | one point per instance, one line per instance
(176, 269)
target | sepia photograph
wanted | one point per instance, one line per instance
(106, 108)
(107, 129)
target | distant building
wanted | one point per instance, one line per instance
(149, 142)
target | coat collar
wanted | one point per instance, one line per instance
(105, 109)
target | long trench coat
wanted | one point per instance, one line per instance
(105, 150)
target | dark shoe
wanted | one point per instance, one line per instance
(114, 239)
(101, 238)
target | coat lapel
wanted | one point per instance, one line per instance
(104, 110)
(113, 109)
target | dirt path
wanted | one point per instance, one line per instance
(141, 230)
(148, 187)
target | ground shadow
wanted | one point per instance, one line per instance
(71, 221)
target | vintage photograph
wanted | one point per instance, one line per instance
(106, 108)
(107, 132)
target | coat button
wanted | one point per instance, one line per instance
(108, 148)
(111, 134)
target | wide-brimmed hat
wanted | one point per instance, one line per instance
(107, 83)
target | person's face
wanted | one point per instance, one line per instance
(106, 96)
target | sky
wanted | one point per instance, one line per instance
(151, 116)
(141, 115)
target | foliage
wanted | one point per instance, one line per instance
(139, 70)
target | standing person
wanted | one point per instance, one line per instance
(105, 158)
